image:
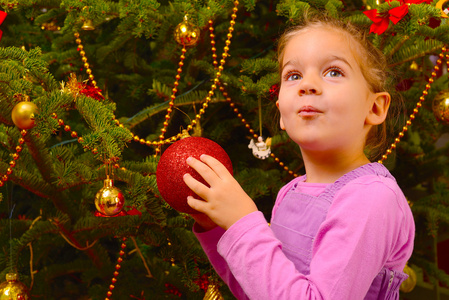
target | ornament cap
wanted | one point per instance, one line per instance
(108, 182)
(185, 134)
(11, 277)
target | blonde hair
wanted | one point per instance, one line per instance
(371, 60)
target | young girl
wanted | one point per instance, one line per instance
(342, 231)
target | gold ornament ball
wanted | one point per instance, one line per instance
(440, 106)
(23, 114)
(409, 284)
(12, 289)
(186, 33)
(109, 200)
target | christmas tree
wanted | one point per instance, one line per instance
(93, 92)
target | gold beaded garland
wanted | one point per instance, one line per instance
(418, 105)
(84, 59)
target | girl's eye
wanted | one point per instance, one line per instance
(292, 76)
(333, 72)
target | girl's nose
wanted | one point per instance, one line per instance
(309, 86)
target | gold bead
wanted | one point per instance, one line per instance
(82, 53)
(86, 65)
(74, 134)
(67, 128)
(88, 71)
(91, 77)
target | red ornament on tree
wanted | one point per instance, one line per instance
(172, 166)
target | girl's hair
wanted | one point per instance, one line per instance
(371, 60)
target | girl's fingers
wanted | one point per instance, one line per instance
(219, 169)
(196, 186)
(196, 204)
(203, 169)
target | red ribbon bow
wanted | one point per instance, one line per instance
(2, 18)
(381, 22)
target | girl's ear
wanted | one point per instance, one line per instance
(281, 123)
(379, 109)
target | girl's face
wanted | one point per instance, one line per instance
(324, 99)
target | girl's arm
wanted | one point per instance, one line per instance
(367, 229)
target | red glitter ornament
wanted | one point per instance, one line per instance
(172, 167)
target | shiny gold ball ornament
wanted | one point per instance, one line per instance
(409, 284)
(186, 33)
(13, 289)
(23, 114)
(440, 106)
(109, 200)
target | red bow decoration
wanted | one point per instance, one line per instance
(380, 23)
(2, 18)
(90, 90)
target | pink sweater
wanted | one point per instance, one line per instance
(346, 240)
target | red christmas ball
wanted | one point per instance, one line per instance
(172, 166)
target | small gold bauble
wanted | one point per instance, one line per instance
(414, 66)
(213, 293)
(12, 289)
(23, 114)
(186, 33)
(409, 284)
(440, 106)
(109, 200)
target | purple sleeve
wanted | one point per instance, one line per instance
(369, 226)
(209, 240)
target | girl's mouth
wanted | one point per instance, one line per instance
(308, 111)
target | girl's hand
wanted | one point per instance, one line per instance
(225, 202)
